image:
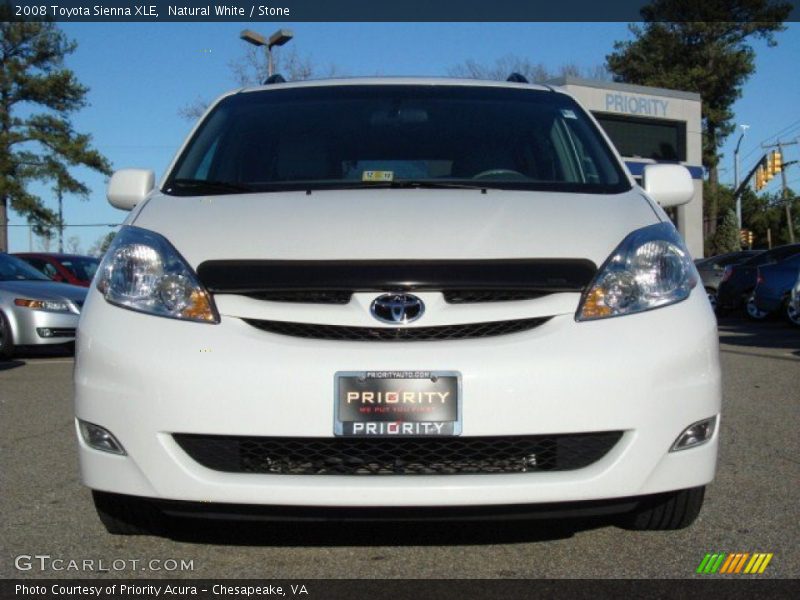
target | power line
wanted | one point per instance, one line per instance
(783, 131)
(66, 225)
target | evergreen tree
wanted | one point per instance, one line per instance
(726, 238)
(701, 47)
(37, 140)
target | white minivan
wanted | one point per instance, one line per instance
(368, 298)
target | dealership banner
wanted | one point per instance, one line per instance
(396, 589)
(325, 10)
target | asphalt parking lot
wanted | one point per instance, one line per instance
(752, 507)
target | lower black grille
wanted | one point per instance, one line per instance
(398, 456)
(396, 334)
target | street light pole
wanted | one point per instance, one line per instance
(736, 176)
(60, 221)
(279, 38)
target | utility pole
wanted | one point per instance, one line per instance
(60, 220)
(736, 176)
(787, 204)
(3, 224)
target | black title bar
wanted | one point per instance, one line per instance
(333, 11)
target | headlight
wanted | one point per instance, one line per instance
(48, 305)
(142, 271)
(649, 269)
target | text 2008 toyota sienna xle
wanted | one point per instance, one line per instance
(388, 296)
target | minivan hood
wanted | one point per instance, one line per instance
(396, 224)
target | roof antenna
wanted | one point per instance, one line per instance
(276, 78)
(517, 78)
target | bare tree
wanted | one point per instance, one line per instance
(101, 244)
(532, 71)
(252, 69)
(74, 245)
(45, 241)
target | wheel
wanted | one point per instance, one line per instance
(792, 313)
(6, 338)
(753, 311)
(712, 298)
(127, 515)
(675, 510)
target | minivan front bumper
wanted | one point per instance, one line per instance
(648, 375)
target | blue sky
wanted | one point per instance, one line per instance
(141, 74)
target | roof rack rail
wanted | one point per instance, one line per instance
(517, 78)
(276, 78)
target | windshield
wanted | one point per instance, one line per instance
(351, 136)
(81, 267)
(14, 269)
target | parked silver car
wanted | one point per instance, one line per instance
(33, 309)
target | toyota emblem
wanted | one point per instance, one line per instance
(397, 309)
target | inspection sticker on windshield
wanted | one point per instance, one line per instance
(377, 176)
(568, 114)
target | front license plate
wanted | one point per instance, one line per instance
(397, 403)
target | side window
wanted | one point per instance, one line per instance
(593, 162)
(793, 261)
(41, 265)
(782, 254)
(590, 171)
(36, 263)
(49, 270)
(205, 164)
(763, 259)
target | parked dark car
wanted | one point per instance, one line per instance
(711, 270)
(775, 283)
(67, 268)
(738, 281)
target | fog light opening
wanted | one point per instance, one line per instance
(695, 434)
(100, 439)
(44, 332)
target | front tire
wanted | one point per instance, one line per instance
(792, 313)
(6, 338)
(712, 298)
(127, 515)
(753, 311)
(674, 510)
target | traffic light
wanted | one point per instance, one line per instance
(750, 238)
(743, 236)
(777, 161)
(760, 183)
(769, 173)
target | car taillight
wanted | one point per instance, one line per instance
(727, 274)
(759, 279)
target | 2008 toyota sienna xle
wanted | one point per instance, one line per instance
(375, 297)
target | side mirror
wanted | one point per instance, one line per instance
(669, 185)
(128, 187)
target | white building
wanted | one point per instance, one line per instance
(648, 125)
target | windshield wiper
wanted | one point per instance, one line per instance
(208, 186)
